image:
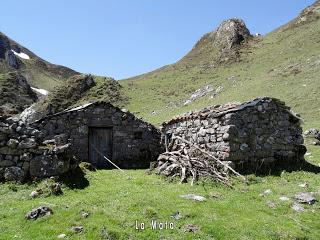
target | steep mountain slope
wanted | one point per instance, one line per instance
(38, 72)
(16, 94)
(284, 64)
(77, 90)
(24, 76)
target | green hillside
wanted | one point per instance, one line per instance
(283, 64)
(78, 90)
(38, 72)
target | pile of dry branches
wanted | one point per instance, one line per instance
(185, 160)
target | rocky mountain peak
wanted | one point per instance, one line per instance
(230, 33)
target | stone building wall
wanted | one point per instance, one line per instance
(24, 154)
(249, 134)
(56, 144)
(135, 142)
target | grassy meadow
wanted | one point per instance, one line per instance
(115, 202)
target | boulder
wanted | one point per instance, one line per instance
(38, 212)
(10, 151)
(47, 166)
(11, 59)
(27, 143)
(6, 163)
(13, 143)
(3, 136)
(305, 197)
(14, 174)
(62, 149)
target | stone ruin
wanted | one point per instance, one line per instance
(24, 153)
(248, 136)
(56, 144)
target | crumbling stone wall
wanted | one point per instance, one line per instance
(135, 142)
(249, 135)
(24, 153)
(56, 144)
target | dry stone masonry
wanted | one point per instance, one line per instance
(135, 143)
(24, 153)
(262, 132)
(56, 144)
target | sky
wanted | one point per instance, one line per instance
(124, 38)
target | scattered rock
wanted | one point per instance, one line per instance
(284, 198)
(316, 143)
(306, 198)
(204, 91)
(36, 193)
(312, 132)
(191, 228)
(13, 143)
(194, 197)
(85, 166)
(201, 92)
(61, 236)
(176, 215)
(215, 195)
(55, 189)
(85, 214)
(77, 229)
(266, 192)
(27, 143)
(271, 204)
(38, 212)
(14, 174)
(297, 207)
(303, 185)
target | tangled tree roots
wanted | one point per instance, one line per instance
(185, 160)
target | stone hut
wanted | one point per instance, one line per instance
(56, 144)
(100, 129)
(257, 133)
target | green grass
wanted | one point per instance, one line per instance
(282, 64)
(116, 202)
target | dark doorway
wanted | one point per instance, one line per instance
(100, 140)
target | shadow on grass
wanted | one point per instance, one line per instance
(278, 167)
(75, 179)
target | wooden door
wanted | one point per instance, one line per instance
(100, 139)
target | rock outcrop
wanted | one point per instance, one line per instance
(230, 33)
(15, 94)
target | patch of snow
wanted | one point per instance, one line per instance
(21, 55)
(41, 91)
